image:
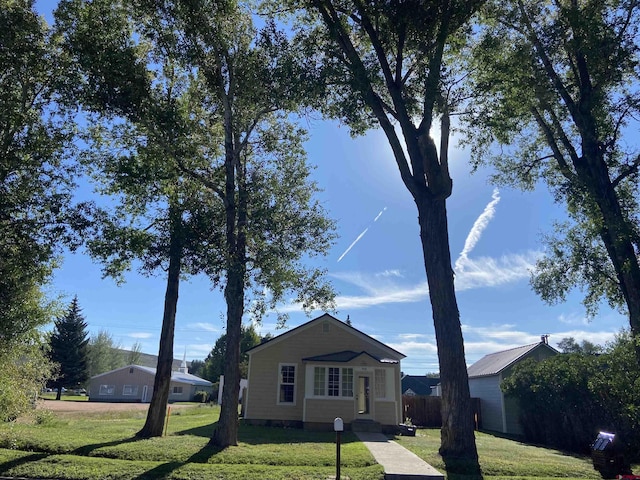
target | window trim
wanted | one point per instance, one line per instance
(175, 388)
(107, 388)
(380, 383)
(133, 390)
(279, 383)
(341, 376)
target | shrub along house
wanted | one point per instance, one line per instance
(134, 383)
(321, 370)
(500, 413)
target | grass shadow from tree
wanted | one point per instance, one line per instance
(6, 466)
(163, 470)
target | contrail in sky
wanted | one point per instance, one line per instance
(361, 235)
(478, 228)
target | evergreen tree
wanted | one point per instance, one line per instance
(69, 348)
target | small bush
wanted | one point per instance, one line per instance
(43, 417)
(201, 396)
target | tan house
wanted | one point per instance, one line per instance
(134, 383)
(321, 370)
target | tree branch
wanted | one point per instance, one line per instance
(557, 153)
(630, 170)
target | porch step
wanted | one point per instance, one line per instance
(362, 425)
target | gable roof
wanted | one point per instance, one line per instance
(418, 384)
(494, 363)
(177, 377)
(394, 354)
(346, 356)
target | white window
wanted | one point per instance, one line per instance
(130, 390)
(177, 390)
(107, 389)
(332, 382)
(318, 381)
(347, 382)
(381, 383)
(287, 384)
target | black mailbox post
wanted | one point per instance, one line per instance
(607, 454)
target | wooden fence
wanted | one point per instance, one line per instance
(424, 411)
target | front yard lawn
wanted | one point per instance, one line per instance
(501, 458)
(89, 445)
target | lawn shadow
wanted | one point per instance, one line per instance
(163, 470)
(202, 431)
(85, 450)
(34, 457)
(461, 468)
(259, 435)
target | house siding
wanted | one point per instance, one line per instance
(120, 378)
(139, 378)
(501, 413)
(315, 339)
(487, 389)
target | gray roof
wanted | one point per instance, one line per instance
(494, 363)
(346, 356)
(177, 377)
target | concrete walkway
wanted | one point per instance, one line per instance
(398, 462)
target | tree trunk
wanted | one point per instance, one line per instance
(616, 234)
(226, 432)
(59, 392)
(154, 424)
(458, 448)
(235, 198)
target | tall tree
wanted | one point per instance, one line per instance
(214, 363)
(36, 184)
(36, 180)
(386, 64)
(271, 220)
(68, 343)
(256, 218)
(135, 354)
(163, 220)
(103, 354)
(569, 345)
(560, 83)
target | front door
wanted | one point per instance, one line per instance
(363, 396)
(144, 394)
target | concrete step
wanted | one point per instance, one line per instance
(362, 425)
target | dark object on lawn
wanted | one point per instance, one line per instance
(607, 454)
(407, 430)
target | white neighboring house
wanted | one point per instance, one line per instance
(243, 385)
(500, 413)
(134, 383)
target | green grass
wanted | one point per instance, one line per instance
(501, 458)
(68, 397)
(101, 445)
(78, 446)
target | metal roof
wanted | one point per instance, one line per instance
(494, 363)
(178, 377)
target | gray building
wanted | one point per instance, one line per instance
(500, 413)
(134, 383)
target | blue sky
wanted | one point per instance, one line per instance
(376, 266)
